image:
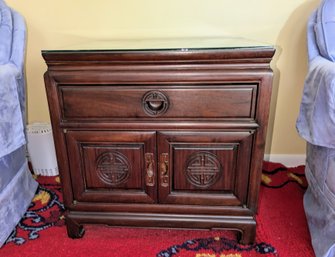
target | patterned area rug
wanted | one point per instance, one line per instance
(45, 215)
(45, 211)
(218, 246)
(275, 175)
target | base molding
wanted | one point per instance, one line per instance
(245, 226)
(289, 160)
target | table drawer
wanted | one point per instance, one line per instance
(110, 102)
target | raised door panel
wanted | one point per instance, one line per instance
(204, 168)
(108, 166)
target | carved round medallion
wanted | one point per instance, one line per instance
(113, 168)
(203, 169)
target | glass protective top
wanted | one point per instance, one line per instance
(183, 44)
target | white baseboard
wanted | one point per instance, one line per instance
(289, 160)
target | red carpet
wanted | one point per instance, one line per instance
(282, 228)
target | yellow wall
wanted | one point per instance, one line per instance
(53, 24)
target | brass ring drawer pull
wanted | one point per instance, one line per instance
(155, 103)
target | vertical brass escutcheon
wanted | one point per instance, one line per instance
(149, 166)
(164, 169)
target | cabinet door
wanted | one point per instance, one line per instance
(112, 166)
(204, 168)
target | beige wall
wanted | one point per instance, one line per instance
(54, 24)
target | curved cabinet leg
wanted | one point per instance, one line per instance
(247, 235)
(74, 229)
